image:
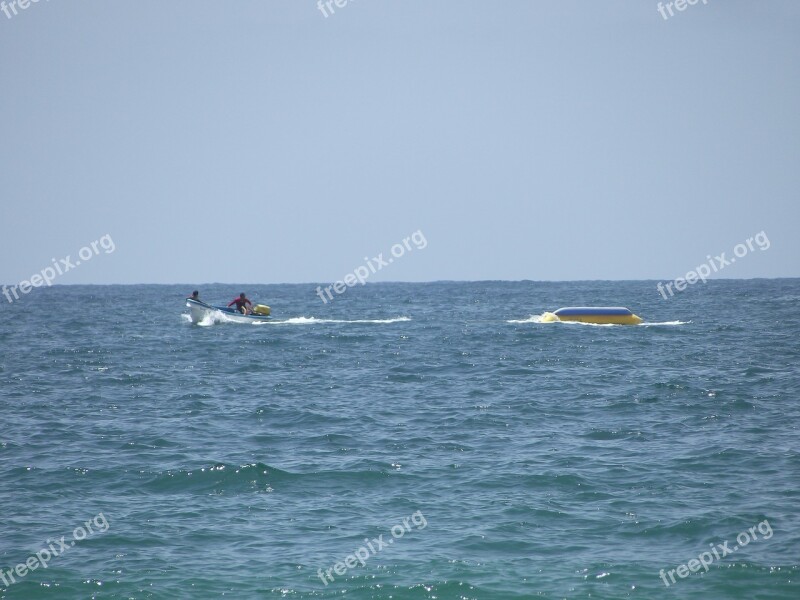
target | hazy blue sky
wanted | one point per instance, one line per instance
(259, 141)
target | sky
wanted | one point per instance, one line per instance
(269, 141)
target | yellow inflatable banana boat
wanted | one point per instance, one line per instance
(601, 315)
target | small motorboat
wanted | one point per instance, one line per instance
(600, 315)
(200, 311)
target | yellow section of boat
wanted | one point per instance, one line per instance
(262, 309)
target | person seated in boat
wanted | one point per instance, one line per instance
(195, 296)
(241, 304)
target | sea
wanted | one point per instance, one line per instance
(401, 441)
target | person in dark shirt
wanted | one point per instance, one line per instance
(242, 304)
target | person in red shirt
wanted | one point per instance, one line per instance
(242, 304)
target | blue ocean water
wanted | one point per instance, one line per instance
(470, 451)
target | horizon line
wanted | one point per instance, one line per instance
(402, 281)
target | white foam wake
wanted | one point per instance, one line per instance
(314, 321)
(207, 321)
(212, 318)
(531, 319)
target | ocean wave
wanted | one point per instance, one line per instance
(217, 478)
